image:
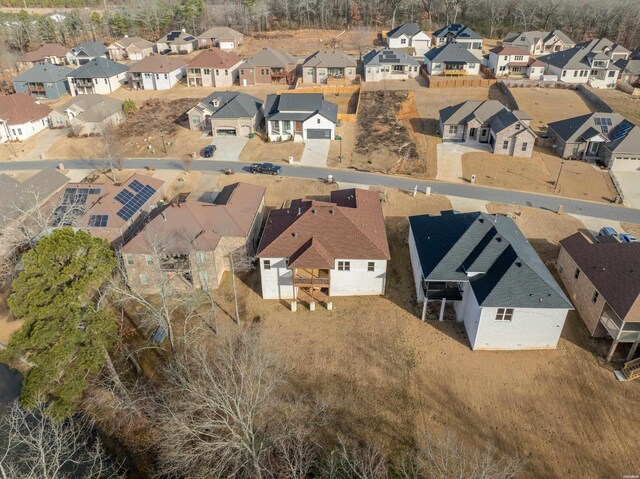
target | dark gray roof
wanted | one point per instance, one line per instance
(92, 108)
(299, 107)
(44, 72)
(178, 37)
(534, 36)
(622, 136)
(388, 56)
(408, 29)
(491, 254)
(463, 112)
(90, 49)
(231, 104)
(628, 66)
(457, 30)
(98, 68)
(579, 56)
(330, 59)
(268, 57)
(451, 52)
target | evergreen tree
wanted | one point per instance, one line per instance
(64, 339)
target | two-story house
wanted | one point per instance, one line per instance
(389, 64)
(51, 53)
(21, 117)
(461, 34)
(300, 116)
(329, 67)
(591, 62)
(602, 277)
(214, 68)
(224, 38)
(508, 132)
(268, 66)
(451, 59)
(409, 35)
(43, 80)
(539, 42)
(514, 62)
(228, 113)
(177, 42)
(313, 250)
(156, 72)
(192, 244)
(488, 271)
(607, 138)
(130, 48)
(99, 76)
(87, 51)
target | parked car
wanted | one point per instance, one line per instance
(627, 238)
(266, 168)
(608, 231)
(208, 151)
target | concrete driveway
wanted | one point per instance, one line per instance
(228, 148)
(450, 160)
(629, 182)
(315, 153)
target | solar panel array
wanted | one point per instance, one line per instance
(135, 202)
(124, 197)
(73, 205)
(622, 130)
(136, 186)
(98, 221)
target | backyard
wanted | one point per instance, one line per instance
(621, 102)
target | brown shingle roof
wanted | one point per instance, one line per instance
(509, 51)
(46, 50)
(20, 108)
(612, 267)
(201, 224)
(157, 64)
(351, 226)
(214, 58)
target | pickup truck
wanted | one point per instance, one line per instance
(265, 168)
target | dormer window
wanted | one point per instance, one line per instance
(518, 126)
(216, 102)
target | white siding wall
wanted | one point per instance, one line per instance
(397, 42)
(23, 131)
(276, 282)
(318, 122)
(358, 280)
(415, 266)
(379, 73)
(468, 312)
(227, 45)
(421, 43)
(161, 81)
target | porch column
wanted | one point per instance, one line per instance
(633, 349)
(424, 309)
(441, 318)
(615, 344)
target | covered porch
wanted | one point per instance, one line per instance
(620, 331)
(441, 291)
(455, 69)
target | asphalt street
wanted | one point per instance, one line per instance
(548, 202)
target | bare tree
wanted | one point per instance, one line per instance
(360, 461)
(40, 448)
(241, 262)
(108, 130)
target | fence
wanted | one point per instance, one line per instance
(486, 72)
(328, 90)
(593, 100)
(441, 82)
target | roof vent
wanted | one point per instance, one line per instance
(331, 212)
(519, 264)
(299, 211)
(499, 239)
(294, 234)
(314, 211)
(481, 220)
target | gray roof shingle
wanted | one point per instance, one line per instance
(622, 135)
(98, 68)
(491, 254)
(299, 107)
(268, 57)
(90, 49)
(232, 104)
(44, 72)
(329, 59)
(388, 56)
(457, 30)
(451, 52)
(408, 29)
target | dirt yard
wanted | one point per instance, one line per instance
(258, 151)
(538, 174)
(546, 105)
(621, 102)
(347, 102)
(390, 378)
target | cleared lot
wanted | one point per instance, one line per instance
(546, 105)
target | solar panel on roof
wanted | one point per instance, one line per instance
(98, 221)
(621, 131)
(598, 121)
(94, 191)
(609, 122)
(136, 202)
(124, 196)
(136, 186)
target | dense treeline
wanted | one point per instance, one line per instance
(48, 3)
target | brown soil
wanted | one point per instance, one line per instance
(258, 151)
(621, 102)
(347, 102)
(632, 229)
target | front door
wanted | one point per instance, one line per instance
(472, 132)
(593, 149)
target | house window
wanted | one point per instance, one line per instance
(318, 121)
(217, 72)
(344, 265)
(129, 259)
(471, 65)
(524, 146)
(611, 74)
(195, 120)
(518, 126)
(505, 144)
(575, 73)
(403, 41)
(149, 259)
(266, 264)
(226, 72)
(595, 297)
(504, 314)
(453, 129)
(106, 81)
(309, 71)
(241, 72)
(287, 126)
(371, 266)
(143, 279)
(166, 76)
(519, 58)
(564, 73)
(576, 274)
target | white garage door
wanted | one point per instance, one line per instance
(226, 45)
(626, 163)
(226, 131)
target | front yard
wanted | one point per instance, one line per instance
(259, 151)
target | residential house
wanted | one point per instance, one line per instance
(193, 243)
(108, 211)
(497, 284)
(389, 64)
(130, 48)
(409, 35)
(508, 132)
(514, 62)
(591, 62)
(300, 116)
(460, 34)
(48, 53)
(451, 59)
(177, 42)
(604, 137)
(85, 114)
(630, 68)
(214, 68)
(329, 67)
(314, 250)
(156, 72)
(21, 117)
(538, 42)
(602, 277)
(268, 66)
(87, 51)
(227, 113)
(43, 80)
(99, 76)
(224, 38)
